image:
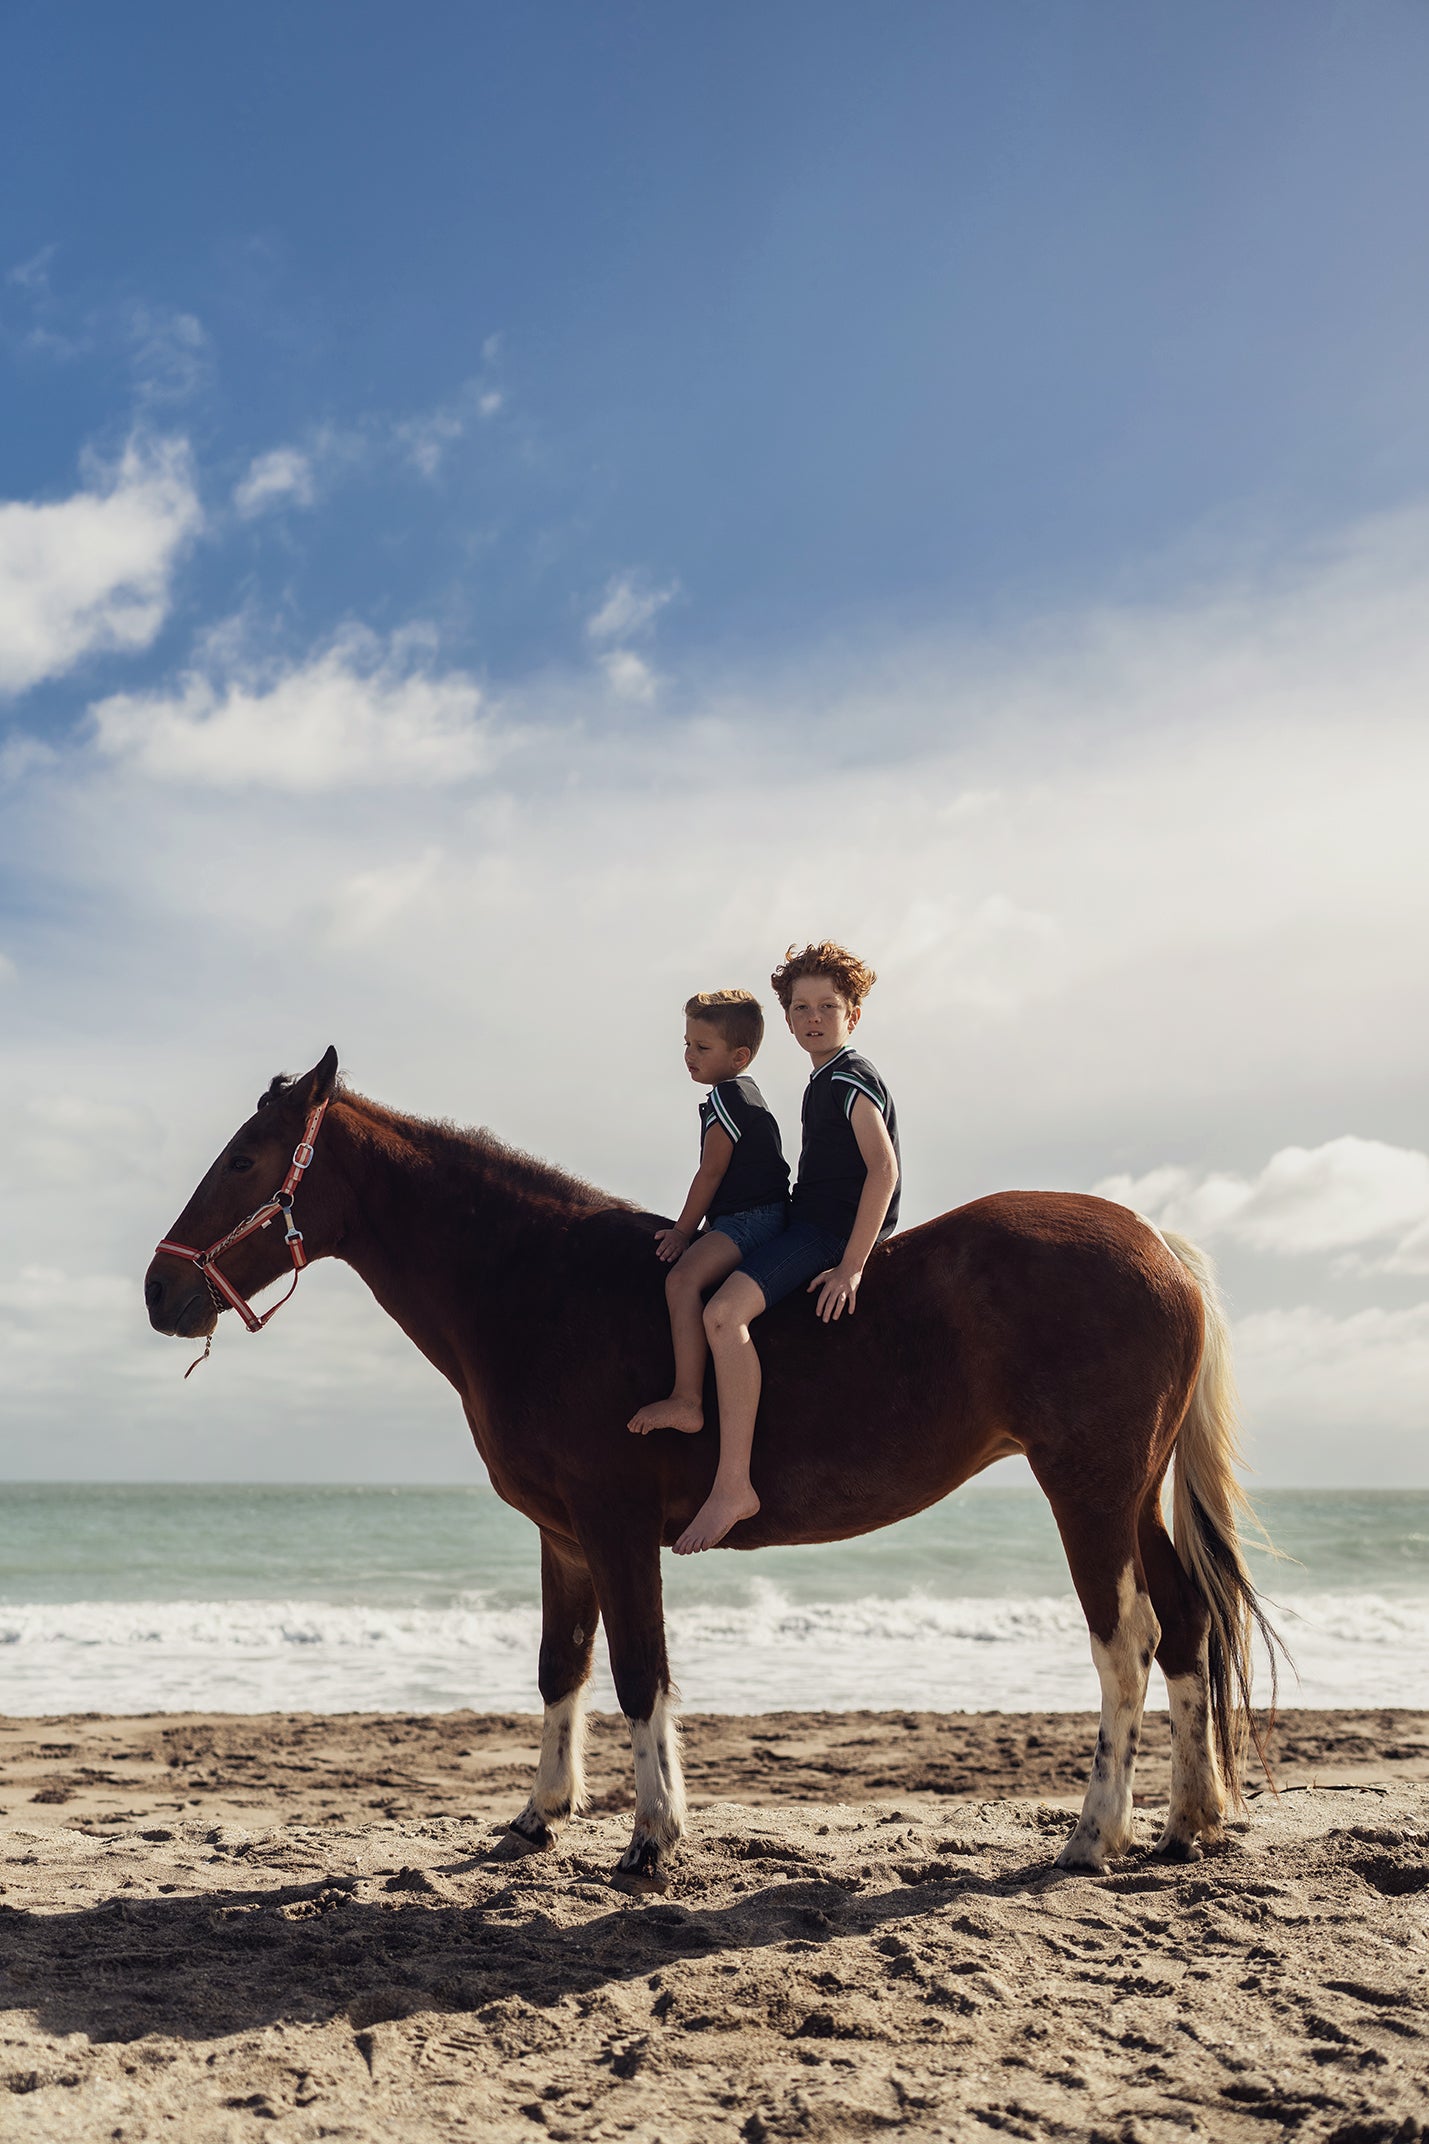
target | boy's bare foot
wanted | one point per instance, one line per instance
(671, 1413)
(721, 1509)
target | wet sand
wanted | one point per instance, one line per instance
(316, 1925)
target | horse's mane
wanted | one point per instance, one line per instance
(457, 1154)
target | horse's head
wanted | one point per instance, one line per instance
(249, 1173)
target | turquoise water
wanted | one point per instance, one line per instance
(134, 1598)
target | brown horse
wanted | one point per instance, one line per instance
(1058, 1326)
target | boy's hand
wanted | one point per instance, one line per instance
(670, 1244)
(838, 1291)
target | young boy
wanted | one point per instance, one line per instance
(740, 1191)
(845, 1201)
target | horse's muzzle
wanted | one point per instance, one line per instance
(178, 1304)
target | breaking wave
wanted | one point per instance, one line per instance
(764, 1652)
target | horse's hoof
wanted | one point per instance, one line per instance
(1177, 1850)
(532, 1831)
(654, 1885)
(1081, 1858)
(641, 1868)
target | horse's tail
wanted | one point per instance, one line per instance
(1208, 1501)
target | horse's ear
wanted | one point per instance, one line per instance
(319, 1084)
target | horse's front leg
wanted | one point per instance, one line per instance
(628, 1577)
(569, 1614)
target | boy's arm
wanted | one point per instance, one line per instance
(838, 1287)
(672, 1243)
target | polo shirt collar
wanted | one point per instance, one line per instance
(841, 1051)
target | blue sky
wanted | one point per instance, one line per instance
(495, 493)
(824, 312)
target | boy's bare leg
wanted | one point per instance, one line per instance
(728, 1317)
(704, 1265)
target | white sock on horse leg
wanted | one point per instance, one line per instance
(659, 1777)
(560, 1774)
(1123, 1665)
(1197, 1796)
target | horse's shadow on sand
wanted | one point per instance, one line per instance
(204, 1966)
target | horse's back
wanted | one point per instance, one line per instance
(1060, 1221)
(1017, 1318)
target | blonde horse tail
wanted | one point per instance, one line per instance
(1209, 1509)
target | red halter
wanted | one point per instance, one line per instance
(280, 1203)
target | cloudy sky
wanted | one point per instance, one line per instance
(514, 514)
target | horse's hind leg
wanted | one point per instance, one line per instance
(1124, 1632)
(1197, 1797)
(569, 1615)
(628, 1578)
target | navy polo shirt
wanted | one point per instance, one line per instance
(758, 1174)
(832, 1171)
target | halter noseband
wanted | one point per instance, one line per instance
(219, 1286)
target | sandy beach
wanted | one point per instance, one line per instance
(316, 1924)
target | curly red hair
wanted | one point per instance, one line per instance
(852, 977)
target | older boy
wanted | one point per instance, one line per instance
(740, 1191)
(845, 1201)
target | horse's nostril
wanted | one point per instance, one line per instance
(153, 1293)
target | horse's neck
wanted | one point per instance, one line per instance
(433, 1243)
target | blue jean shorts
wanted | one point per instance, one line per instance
(791, 1259)
(754, 1225)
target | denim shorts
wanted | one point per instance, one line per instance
(753, 1226)
(791, 1259)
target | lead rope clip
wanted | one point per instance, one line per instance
(283, 1200)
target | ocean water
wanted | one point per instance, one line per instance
(249, 1599)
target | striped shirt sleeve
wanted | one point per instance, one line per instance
(857, 1086)
(722, 1112)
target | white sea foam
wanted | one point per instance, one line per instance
(767, 1652)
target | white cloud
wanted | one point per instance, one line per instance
(39, 1301)
(33, 274)
(1118, 877)
(67, 1335)
(31, 279)
(361, 712)
(629, 675)
(626, 608)
(427, 438)
(369, 903)
(93, 572)
(21, 756)
(170, 353)
(1341, 1196)
(294, 475)
(284, 476)
(1336, 1398)
(69, 1141)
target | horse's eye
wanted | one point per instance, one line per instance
(239, 1163)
